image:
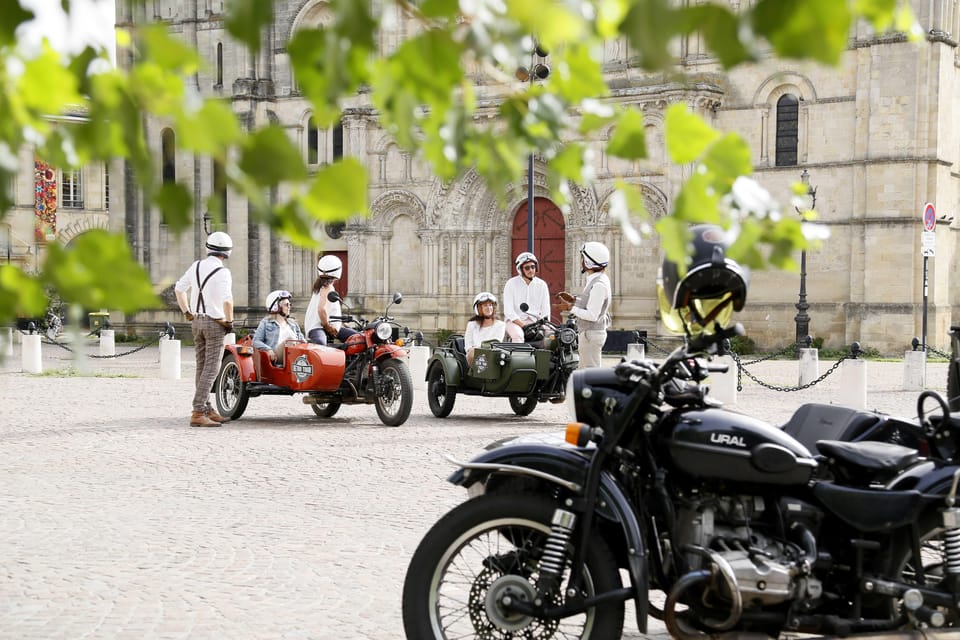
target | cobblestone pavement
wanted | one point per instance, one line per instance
(120, 521)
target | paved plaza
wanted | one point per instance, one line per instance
(120, 521)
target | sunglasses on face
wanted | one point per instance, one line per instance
(529, 267)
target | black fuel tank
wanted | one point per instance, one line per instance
(715, 443)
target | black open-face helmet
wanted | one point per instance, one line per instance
(704, 292)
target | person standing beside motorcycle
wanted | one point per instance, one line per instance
(320, 309)
(525, 287)
(205, 296)
(277, 327)
(592, 307)
(483, 326)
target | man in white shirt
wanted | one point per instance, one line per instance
(525, 287)
(591, 307)
(205, 296)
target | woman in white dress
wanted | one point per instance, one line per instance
(484, 325)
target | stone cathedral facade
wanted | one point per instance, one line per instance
(878, 136)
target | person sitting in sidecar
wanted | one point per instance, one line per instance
(277, 327)
(483, 326)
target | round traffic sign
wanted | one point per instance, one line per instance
(929, 217)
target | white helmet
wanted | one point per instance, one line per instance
(523, 258)
(272, 302)
(595, 255)
(483, 296)
(220, 244)
(330, 266)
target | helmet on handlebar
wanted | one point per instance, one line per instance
(272, 303)
(329, 266)
(524, 258)
(483, 296)
(705, 292)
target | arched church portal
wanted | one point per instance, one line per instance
(548, 242)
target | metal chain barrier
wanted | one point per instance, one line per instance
(790, 348)
(741, 370)
(649, 344)
(936, 351)
(167, 330)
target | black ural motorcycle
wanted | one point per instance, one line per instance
(741, 527)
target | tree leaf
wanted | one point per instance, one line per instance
(687, 135)
(339, 191)
(816, 29)
(269, 158)
(12, 16)
(629, 139)
(20, 294)
(176, 205)
(245, 19)
(97, 271)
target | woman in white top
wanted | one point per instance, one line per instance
(484, 325)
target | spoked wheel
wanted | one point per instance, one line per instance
(229, 390)
(524, 405)
(394, 393)
(440, 396)
(930, 570)
(326, 409)
(488, 551)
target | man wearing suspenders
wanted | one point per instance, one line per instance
(205, 296)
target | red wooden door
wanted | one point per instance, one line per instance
(548, 243)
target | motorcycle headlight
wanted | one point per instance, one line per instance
(567, 336)
(384, 331)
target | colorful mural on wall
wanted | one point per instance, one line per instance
(45, 204)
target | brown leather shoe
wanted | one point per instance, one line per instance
(200, 419)
(216, 417)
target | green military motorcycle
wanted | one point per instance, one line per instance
(526, 373)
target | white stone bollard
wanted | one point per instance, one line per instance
(723, 386)
(809, 365)
(169, 359)
(6, 342)
(419, 355)
(914, 370)
(230, 338)
(108, 345)
(31, 355)
(636, 351)
(853, 383)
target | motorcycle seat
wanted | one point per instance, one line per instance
(815, 421)
(879, 457)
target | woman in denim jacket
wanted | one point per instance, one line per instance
(277, 327)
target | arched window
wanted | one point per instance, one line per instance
(338, 141)
(219, 191)
(168, 154)
(313, 143)
(219, 64)
(788, 119)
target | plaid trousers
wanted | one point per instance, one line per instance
(208, 343)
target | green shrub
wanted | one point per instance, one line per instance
(742, 345)
(444, 334)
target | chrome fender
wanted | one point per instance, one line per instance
(567, 467)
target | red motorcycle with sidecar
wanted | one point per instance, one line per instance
(369, 368)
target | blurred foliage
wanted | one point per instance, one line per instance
(424, 97)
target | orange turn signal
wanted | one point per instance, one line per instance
(577, 434)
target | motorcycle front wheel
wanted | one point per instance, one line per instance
(486, 550)
(394, 393)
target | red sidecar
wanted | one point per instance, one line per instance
(247, 372)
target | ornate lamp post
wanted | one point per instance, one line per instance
(538, 71)
(802, 319)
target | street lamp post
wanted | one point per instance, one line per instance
(802, 319)
(538, 70)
